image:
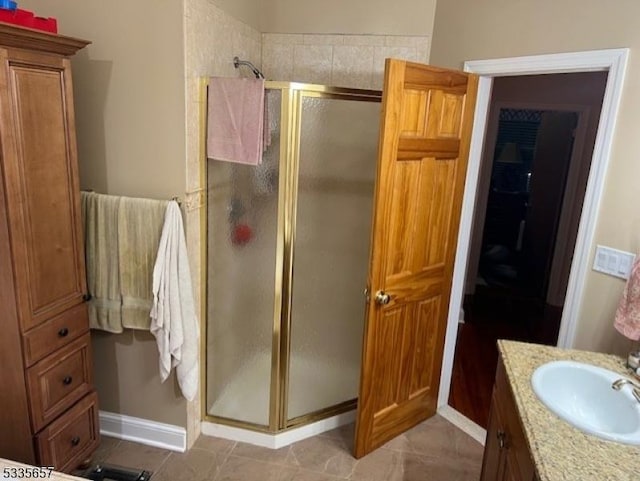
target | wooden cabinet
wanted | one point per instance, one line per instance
(506, 453)
(45, 353)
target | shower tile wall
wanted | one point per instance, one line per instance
(212, 39)
(340, 60)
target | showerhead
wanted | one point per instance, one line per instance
(237, 63)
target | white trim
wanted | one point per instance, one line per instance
(589, 61)
(275, 441)
(143, 431)
(614, 61)
(463, 423)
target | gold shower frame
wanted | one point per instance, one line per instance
(292, 95)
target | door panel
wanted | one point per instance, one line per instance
(550, 166)
(424, 144)
(39, 156)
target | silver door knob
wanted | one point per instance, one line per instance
(382, 298)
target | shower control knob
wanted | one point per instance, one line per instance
(382, 298)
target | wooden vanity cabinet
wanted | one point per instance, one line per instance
(48, 406)
(506, 453)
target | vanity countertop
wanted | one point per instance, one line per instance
(16, 471)
(560, 451)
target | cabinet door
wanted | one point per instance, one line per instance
(500, 462)
(39, 160)
(494, 462)
(506, 454)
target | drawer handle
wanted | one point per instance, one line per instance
(75, 440)
(86, 297)
(67, 380)
(64, 332)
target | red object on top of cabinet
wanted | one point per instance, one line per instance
(25, 18)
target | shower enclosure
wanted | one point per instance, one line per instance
(287, 259)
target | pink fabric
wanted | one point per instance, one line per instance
(235, 130)
(628, 314)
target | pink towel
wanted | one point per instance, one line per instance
(236, 120)
(628, 314)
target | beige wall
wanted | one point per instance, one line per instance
(466, 30)
(400, 17)
(129, 99)
(246, 11)
(129, 93)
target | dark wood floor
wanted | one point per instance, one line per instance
(491, 315)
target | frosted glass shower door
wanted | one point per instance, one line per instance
(338, 152)
(242, 223)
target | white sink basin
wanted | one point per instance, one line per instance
(582, 395)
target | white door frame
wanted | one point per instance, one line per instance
(614, 61)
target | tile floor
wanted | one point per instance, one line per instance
(433, 451)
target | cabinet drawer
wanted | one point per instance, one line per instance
(55, 333)
(58, 381)
(71, 438)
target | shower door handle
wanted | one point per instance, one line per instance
(382, 298)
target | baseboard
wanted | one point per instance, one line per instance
(275, 441)
(463, 423)
(143, 431)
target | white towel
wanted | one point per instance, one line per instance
(173, 317)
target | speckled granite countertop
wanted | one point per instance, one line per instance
(15, 471)
(560, 451)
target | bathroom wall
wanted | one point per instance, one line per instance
(467, 30)
(129, 99)
(340, 60)
(400, 17)
(247, 11)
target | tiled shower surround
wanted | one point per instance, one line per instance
(355, 61)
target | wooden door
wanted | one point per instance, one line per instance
(41, 180)
(427, 117)
(549, 169)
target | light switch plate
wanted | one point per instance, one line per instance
(614, 262)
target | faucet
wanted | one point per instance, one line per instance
(635, 388)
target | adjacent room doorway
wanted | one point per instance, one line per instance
(613, 63)
(538, 147)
